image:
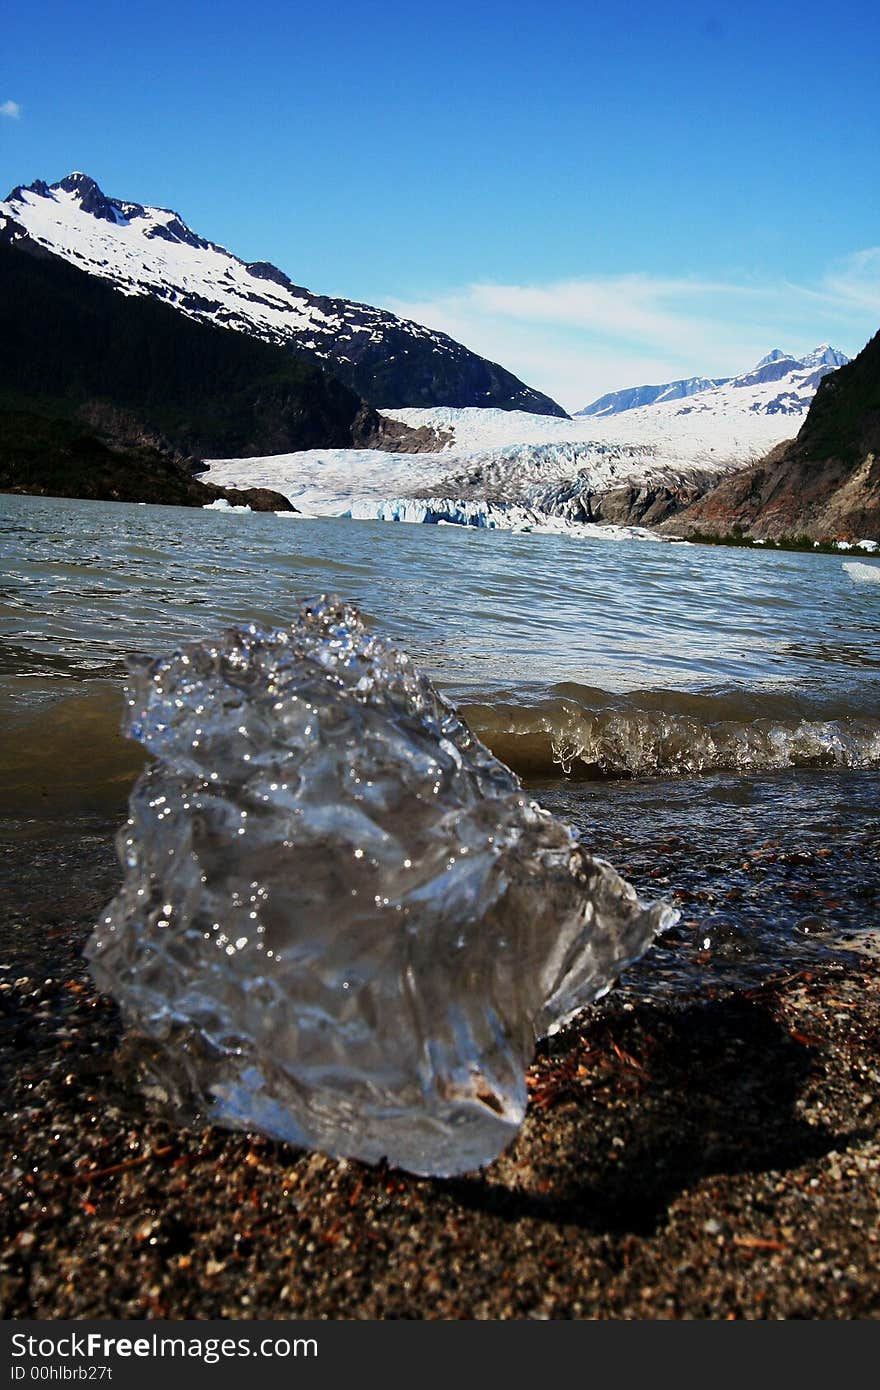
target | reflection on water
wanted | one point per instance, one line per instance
(62, 753)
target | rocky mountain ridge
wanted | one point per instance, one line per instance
(798, 378)
(143, 250)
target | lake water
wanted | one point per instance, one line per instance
(691, 709)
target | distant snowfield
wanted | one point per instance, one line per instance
(499, 463)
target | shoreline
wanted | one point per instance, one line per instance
(690, 1157)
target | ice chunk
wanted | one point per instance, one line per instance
(222, 504)
(862, 574)
(342, 921)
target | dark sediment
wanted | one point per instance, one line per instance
(689, 1156)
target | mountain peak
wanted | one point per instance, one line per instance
(82, 185)
(825, 356)
(800, 377)
(774, 355)
(39, 187)
(822, 356)
(78, 182)
(89, 196)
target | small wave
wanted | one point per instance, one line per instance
(629, 741)
(62, 751)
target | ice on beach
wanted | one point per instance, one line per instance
(342, 922)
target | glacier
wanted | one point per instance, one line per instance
(499, 470)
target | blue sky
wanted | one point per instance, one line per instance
(595, 195)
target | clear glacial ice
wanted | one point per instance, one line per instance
(342, 921)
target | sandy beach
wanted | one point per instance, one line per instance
(684, 1158)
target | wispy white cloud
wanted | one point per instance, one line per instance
(628, 308)
(10, 109)
(576, 339)
(855, 281)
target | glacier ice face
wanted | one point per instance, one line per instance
(449, 511)
(342, 922)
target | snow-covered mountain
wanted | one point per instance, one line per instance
(145, 250)
(822, 356)
(794, 380)
(632, 397)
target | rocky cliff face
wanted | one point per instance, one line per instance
(824, 484)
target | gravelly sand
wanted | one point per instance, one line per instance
(692, 1158)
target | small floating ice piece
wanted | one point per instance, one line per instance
(222, 504)
(861, 573)
(342, 922)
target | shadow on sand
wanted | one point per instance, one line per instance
(716, 1093)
